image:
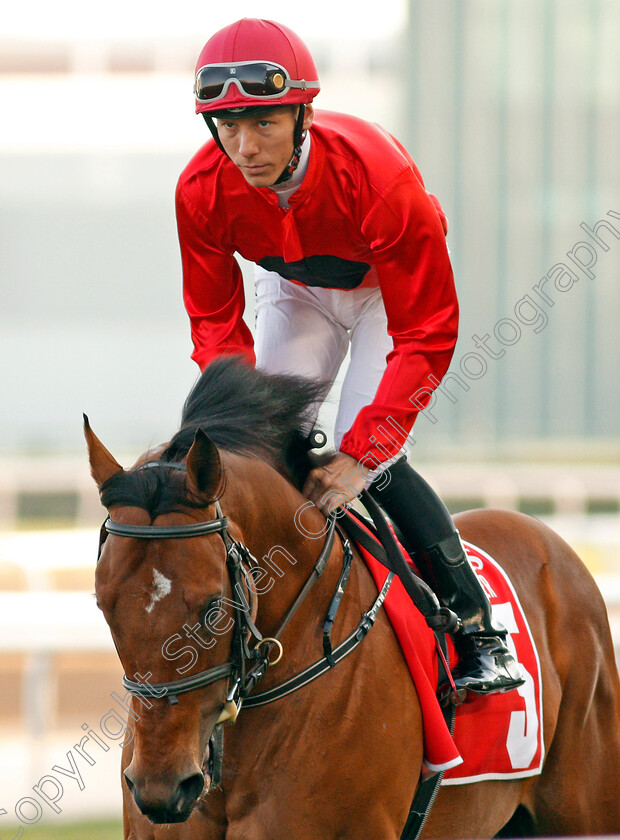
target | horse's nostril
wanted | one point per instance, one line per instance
(191, 788)
(130, 784)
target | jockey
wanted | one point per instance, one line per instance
(350, 255)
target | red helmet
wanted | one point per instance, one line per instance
(254, 63)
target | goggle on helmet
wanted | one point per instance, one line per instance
(252, 64)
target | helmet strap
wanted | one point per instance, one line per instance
(213, 129)
(298, 139)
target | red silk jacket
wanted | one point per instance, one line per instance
(360, 218)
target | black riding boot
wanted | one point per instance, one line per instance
(486, 665)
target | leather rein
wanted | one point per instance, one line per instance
(247, 665)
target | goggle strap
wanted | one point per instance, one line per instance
(302, 84)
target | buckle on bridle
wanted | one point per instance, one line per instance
(269, 640)
(232, 705)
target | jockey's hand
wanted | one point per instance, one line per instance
(336, 483)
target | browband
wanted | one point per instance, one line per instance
(167, 532)
(159, 532)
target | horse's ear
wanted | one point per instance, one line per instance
(103, 465)
(204, 468)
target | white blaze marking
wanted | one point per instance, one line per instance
(161, 588)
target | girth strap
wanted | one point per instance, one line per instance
(439, 619)
(427, 790)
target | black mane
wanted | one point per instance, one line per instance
(242, 410)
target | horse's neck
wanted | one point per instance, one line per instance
(284, 533)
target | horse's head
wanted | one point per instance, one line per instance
(156, 590)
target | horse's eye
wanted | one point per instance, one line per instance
(212, 605)
(210, 613)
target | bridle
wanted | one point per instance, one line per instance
(247, 664)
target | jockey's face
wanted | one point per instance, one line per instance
(261, 146)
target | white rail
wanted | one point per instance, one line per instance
(564, 488)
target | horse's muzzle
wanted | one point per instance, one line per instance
(164, 804)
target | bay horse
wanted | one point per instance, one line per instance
(341, 757)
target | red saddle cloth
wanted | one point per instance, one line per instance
(495, 737)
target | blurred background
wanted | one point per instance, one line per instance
(511, 109)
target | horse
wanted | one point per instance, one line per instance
(342, 756)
